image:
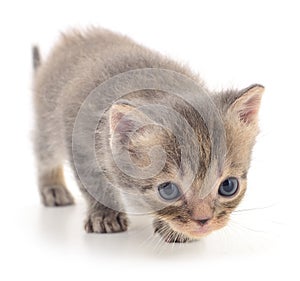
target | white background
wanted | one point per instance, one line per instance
(230, 44)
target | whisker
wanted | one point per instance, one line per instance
(254, 209)
(248, 228)
(158, 244)
(174, 239)
(148, 240)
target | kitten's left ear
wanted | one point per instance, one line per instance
(247, 103)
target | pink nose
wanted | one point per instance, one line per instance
(203, 221)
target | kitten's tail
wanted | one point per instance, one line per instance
(36, 58)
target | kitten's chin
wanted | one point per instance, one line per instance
(197, 234)
(193, 230)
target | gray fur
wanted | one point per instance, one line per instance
(79, 63)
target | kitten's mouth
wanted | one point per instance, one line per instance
(201, 231)
(193, 230)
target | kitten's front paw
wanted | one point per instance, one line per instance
(168, 234)
(106, 221)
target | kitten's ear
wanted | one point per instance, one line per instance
(117, 117)
(247, 103)
(124, 119)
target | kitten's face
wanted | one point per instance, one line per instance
(182, 213)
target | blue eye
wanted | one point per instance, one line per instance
(169, 191)
(229, 187)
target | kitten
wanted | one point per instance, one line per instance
(155, 149)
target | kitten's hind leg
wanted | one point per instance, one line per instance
(53, 188)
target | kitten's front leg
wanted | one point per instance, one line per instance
(102, 219)
(168, 234)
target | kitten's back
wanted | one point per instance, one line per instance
(95, 55)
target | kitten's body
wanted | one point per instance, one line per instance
(81, 62)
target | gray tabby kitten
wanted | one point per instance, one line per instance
(79, 63)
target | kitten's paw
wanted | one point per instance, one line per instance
(106, 221)
(168, 234)
(56, 195)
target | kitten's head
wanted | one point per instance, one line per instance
(181, 213)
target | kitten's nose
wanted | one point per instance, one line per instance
(203, 221)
